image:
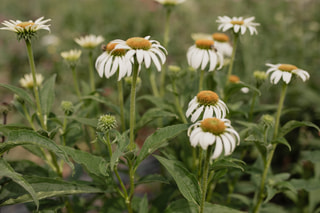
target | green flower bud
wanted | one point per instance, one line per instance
(267, 120)
(67, 107)
(106, 123)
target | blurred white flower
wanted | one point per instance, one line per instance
(216, 131)
(26, 30)
(89, 41)
(112, 60)
(203, 54)
(208, 103)
(27, 80)
(71, 55)
(221, 42)
(170, 2)
(285, 71)
(237, 24)
(145, 51)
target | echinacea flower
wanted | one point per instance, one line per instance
(221, 42)
(203, 55)
(27, 80)
(208, 103)
(145, 51)
(170, 2)
(238, 24)
(112, 60)
(285, 71)
(216, 131)
(89, 41)
(26, 30)
(71, 55)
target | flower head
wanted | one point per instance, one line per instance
(106, 123)
(144, 50)
(170, 2)
(67, 107)
(26, 30)
(214, 131)
(222, 43)
(89, 41)
(237, 24)
(208, 103)
(285, 71)
(112, 60)
(203, 54)
(27, 81)
(71, 56)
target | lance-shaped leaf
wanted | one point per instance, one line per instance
(186, 181)
(20, 92)
(29, 137)
(44, 188)
(158, 139)
(289, 126)
(7, 171)
(114, 107)
(47, 94)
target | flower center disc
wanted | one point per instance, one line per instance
(204, 43)
(237, 22)
(138, 43)
(234, 79)
(220, 37)
(207, 97)
(25, 24)
(287, 67)
(110, 49)
(213, 125)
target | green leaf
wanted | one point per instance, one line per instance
(186, 181)
(114, 107)
(283, 141)
(44, 188)
(7, 171)
(159, 139)
(143, 205)
(285, 129)
(313, 156)
(86, 121)
(224, 163)
(47, 94)
(152, 178)
(306, 184)
(152, 114)
(20, 92)
(90, 162)
(29, 137)
(183, 206)
(156, 101)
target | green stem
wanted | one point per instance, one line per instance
(177, 102)
(121, 105)
(205, 178)
(35, 85)
(91, 72)
(75, 81)
(235, 42)
(133, 104)
(64, 127)
(166, 38)
(201, 80)
(152, 78)
(28, 116)
(253, 101)
(261, 194)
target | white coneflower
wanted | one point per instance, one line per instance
(170, 2)
(238, 24)
(27, 81)
(222, 43)
(285, 71)
(203, 55)
(216, 131)
(26, 30)
(71, 55)
(145, 51)
(112, 60)
(89, 41)
(208, 103)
